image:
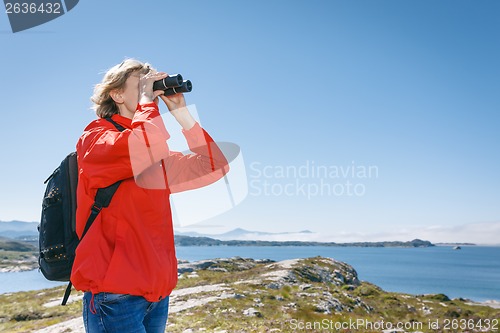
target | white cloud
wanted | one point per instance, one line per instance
(486, 233)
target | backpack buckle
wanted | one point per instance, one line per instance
(96, 209)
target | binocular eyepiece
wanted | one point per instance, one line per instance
(173, 84)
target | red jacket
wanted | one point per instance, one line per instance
(130, 247)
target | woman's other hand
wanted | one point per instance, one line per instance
(146, 93)
(174, 102)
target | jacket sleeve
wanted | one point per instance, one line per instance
(106, 155)
(206, 165)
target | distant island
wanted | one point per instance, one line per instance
(181, 240)
(19, 243)
(455, 244)
(23, 237)
(18, 255)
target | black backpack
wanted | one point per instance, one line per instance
(57, 229)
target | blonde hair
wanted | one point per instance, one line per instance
(114, 78)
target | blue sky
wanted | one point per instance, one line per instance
(408, 87)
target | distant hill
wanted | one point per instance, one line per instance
(181, 240)
(238, 237)
(242, 234)
(15, 229)
(239, 232)
(8, 244)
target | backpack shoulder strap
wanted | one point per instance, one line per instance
(102, 200)
(104, 195)
(117, 126)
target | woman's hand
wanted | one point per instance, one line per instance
(174, 102)
(146, 93)
(177, 106)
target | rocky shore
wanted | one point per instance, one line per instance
(18, 261)
(244, 295)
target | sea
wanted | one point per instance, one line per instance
(472, 272)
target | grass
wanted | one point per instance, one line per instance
(24, 311)
(281, 310)
(308, 295)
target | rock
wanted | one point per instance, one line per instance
(426, 311)
(219, 265)
(307, 294)
(274, 285)
(326, 306)
(184, 269)
(330, 271)
(202, 264)
(72, 325)
(305, 286)
(258, 303)
(57, 302)
(251, 312)
(217, 269)
(263, 261)
(238, 296)
(394, 330)
(231, 310)
(339, 277)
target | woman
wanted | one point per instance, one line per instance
(126, 263)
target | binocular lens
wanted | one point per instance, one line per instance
(173, 84)
(171, 81)
(186, 86)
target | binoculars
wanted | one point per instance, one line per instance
(173, 84)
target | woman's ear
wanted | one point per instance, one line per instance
(116, 95)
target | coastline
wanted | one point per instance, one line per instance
(495, 304)
(235, 294)
(381, 266)
(23, 267)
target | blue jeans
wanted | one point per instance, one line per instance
(123, 313)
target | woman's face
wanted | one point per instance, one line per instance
(130, 93)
